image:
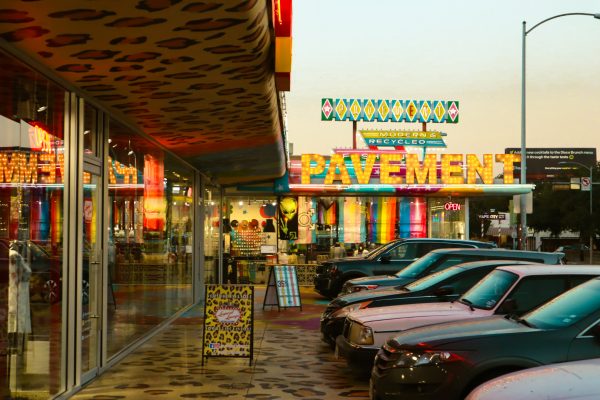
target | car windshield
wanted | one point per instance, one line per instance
(417, 267)
(488, 291)
(568, 308)
(433, 279)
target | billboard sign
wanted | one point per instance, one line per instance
(550, 163)
(390, 110)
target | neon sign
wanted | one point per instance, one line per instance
(40, 139)
(450, 206)
(20, 167)
(397, 168)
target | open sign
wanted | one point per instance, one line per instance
(449, 206)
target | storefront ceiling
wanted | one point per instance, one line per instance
(196, 76)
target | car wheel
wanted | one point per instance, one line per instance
(51, 291)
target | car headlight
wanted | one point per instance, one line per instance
(344, 311)
(407, 358)
(359, 288)
(360, 334)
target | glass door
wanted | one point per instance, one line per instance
(91, 309)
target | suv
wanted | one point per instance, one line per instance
(439, 260)
(513, 290)
(388, 259)
(448, 360)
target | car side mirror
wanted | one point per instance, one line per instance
(443, 291)
(385, 259)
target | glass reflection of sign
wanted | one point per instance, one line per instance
(35, 157)
(127, 174)
(450, 206)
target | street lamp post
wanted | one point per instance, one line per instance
(591, 169)
(523, 199)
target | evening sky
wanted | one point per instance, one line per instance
(465, 50)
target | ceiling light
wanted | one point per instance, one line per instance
(130, 152)
(42, 108)
(87, 131)
(109, 140)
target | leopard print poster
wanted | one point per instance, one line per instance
(228, 321)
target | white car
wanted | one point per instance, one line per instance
(513, 289)
(570, 380)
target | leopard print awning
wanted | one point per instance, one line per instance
(197, 76)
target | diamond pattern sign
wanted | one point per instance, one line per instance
(369, 110)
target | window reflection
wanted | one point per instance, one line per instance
(31, 218)
(150, 236)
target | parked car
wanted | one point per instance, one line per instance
(568, 380)
(506, 290)
(442, 286)
(441, 259)
(388, 259)
(448, 360)
(45, 278)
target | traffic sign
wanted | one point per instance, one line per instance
(586, 184)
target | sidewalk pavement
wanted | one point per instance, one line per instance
(290, 362)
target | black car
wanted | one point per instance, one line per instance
(445, 285)
(388, 259)
(45, 278)
(438, 260)
(448, 360)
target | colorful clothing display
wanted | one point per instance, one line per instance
(352, 224)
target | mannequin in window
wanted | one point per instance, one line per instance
(19, 314)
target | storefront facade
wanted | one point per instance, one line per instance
(354, 200)
(100, 229)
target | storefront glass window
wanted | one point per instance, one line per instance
(90, 131)
(31, 218)
(212, 219)
(150, 236)
(447, 218)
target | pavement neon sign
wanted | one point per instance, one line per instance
(395, 168)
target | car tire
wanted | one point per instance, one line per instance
(51, 291)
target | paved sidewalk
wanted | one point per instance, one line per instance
(291, 362)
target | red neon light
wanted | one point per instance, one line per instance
(282, 17)
(449, 206)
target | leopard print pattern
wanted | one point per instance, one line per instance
(228, 321)
(197, 76)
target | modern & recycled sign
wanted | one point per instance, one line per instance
(228, 322)
(394, 138)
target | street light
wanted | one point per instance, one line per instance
(591, 168)
(523, 199)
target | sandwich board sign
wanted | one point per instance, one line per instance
(228, 321)
(282, 288)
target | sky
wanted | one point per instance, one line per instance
(465, 50)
